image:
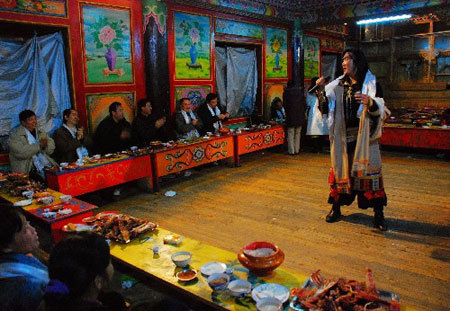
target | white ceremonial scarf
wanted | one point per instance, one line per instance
(71, 130)
(188, 118)
(215, 113)
(40, 160)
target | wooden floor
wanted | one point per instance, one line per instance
(279, 198)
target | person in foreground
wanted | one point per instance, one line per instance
(23, 278)
(30, 147)
(354, 121)
(80, 270)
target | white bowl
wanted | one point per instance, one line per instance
(218, 281)
(133, 148)
(28, 194)
(269, 304)
(46, 200)
(65, 198)
(239, 288)
(96, 156)
(181, 259)
(63, 164)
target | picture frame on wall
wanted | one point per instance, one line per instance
(56, 8)
(312, 56)
(107, 45)
(196, 93)
(276, 53)
(192, 36)
(97, 106)
(272, 90)
(241, 29)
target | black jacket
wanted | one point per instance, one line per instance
(144, 130)
(207, 119)
(294, 105)
(107, 136)
(65, 146)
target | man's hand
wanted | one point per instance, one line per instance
(363, 99)
(125, 134)
(194, 122)
(321, 81)
(43, 142)
(222, 116)
(80, 133)
(160, 122)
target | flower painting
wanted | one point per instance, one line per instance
(311, 46)
(276, 53)
(192, 46)
(197, 94)
(43, 7)
(107, 45)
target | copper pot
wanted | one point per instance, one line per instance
(261, 265)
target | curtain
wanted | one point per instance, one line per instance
(33, 76)
(236, 79)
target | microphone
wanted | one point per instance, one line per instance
(315, 87)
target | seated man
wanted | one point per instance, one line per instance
(186, 121)
(212, 114)
(113, 133)
(69, 139)
(145, 125)
(277, 112)
(30, 148)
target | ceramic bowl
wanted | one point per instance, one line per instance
(63, 164)
(269, 304)
(28, 194)
(218, 281)
(181, 259)
(240, 288)
(46, 200)
(65, 198)
(261, 265)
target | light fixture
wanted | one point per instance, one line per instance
(383, 19)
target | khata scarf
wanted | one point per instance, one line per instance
(216, 112)
(40, 160)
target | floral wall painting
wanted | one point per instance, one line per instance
(311, 46)
(107, 45)
(272, 90)
(98, 107)
(276, 53)
(42, 7)
(192, 46)
(197, 94)
(230, 27)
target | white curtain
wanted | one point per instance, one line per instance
(33, 76)
(236, 79)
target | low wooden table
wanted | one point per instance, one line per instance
(138, 257)
(433, 137)
(79, 209)
(94, 177)
(183, 157)
(257, 140)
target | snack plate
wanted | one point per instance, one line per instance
(186, 275)
(213, 267)
(76, 228)
(271, 290)
(387, 295)
(23, 202)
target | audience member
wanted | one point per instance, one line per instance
(294, 102)
(212, 114)
(145, 125)
(69, 139)
(277, 112)
(80, 270)
(30, 147)
(113, 133)
(23, 278)
(186, 121)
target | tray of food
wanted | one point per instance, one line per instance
(18, 183)
(319, 293)
(120, 227)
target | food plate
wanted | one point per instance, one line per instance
(186, 275)
(70, 227)
(271, 290)
(90, 219)
(41, 194)
(213, 267)
(23, 202)
(107, 214)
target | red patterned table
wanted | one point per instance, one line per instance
(252, 141)
(416, 137)
(100, 176)
(79, 209)
(183, 157)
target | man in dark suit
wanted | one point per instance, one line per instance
(212, 114)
